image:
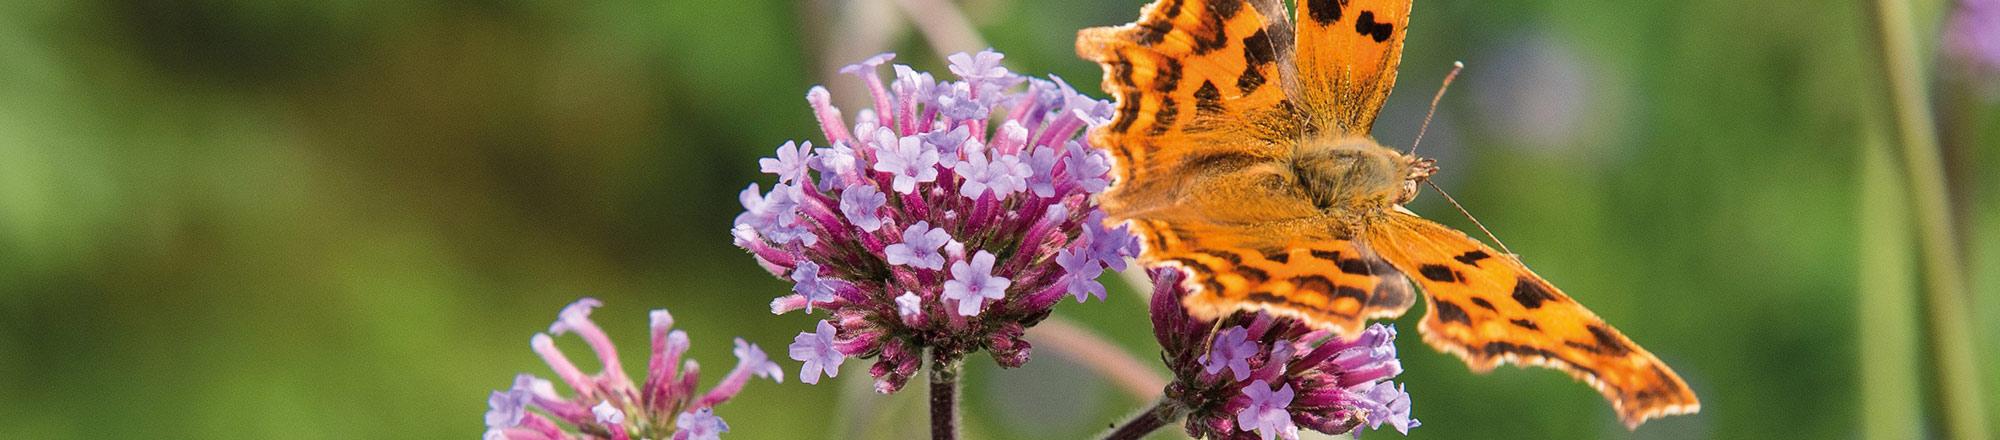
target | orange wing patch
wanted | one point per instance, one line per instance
(1348, 51)
(1329, 282)
(1184, 76)
(1489, 309)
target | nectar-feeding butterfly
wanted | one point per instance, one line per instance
(1243, 157)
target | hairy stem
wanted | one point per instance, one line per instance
(1954, 360)
(944, 399)
(1145, 422)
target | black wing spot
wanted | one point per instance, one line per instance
(1253, 275)
(1208, 100)
(1483, 303)
(1225, 10)
(1167, 77)
(1128, 112)
(1257, 48)
(1366, 26)
(1325, 12)
(1523, 323)
(1608, 341)
(1163, 118)
(1210, 36)
(1326, 255)
(1351, 292)
(1250, 80)
(1366, 266)
(1439, 273)
(1531, 294)
(1174, 9)
(1281, 256)
(1149, 33)
(1472, 258)
(1266, 297)
(1313, 283)
(1121, 68)
(1451, 312)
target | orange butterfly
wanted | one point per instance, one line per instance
(1244, 158)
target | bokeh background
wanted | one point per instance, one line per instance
(337, 220)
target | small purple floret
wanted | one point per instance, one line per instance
(972, 283)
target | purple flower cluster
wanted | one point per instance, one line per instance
(1257, 376)
(608, 405)
(949, 217)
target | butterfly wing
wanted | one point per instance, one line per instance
(1290, 268)
(1348, 51)
(1487, 308)
(1189, 77)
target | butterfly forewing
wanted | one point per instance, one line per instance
(1183, 76)
(1347, 56)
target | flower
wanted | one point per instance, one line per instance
(1232, 350)
(608, 404)
(1081, 278)
(809, 285)
(1266, 413)
(817, 352)
(936, 216)
(862, 204)
(919, 248)
(790, 162)
(702, 424)
(1283, 375)
(972, 284)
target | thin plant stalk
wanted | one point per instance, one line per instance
(1100, 355)
(1145, 422)
(944, 398)
(1891, 394)
(1954, 361)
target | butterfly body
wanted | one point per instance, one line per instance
(1242, 156)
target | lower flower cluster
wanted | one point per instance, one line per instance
(1253, 375)
(608, 404)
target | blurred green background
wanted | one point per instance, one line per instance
(307, 220)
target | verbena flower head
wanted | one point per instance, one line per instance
(1258, 376)
(608, 404)
(947, 218)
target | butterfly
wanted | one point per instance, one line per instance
(1242, 156)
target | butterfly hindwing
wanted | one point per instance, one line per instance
(1348, 51)
(1327, 281)
(1488, 309)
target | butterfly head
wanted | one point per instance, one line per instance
(1349, 171)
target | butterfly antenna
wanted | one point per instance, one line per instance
(1455, 67)
(1468, 215)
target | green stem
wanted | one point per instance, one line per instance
(1891, 391)
(944, 398)
(1959, 392)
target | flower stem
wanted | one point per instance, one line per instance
(1891, 390)
(944, 398)
(1953, 355)
(1145, 422)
